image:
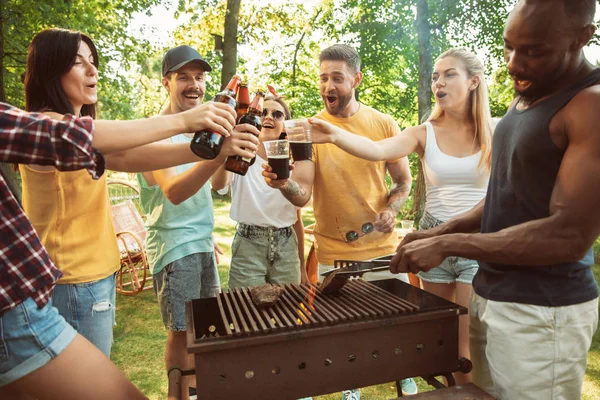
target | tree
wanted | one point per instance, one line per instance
(105, 21)
(425, 62)
(230, 40)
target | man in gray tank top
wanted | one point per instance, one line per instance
(535, 306)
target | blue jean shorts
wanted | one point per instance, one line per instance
(30, 337)
(191, 277)
(262, 255)
(89, 308)
(452, 269)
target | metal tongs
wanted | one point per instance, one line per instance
(346, 269)
(352, 268)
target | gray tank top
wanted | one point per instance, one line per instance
(525, 164)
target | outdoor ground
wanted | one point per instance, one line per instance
(140, 335)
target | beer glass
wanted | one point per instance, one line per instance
(278, 154)
(298, 133)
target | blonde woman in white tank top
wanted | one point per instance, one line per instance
(454, 146)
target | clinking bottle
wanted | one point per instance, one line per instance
(243, 99)
(207, 144)
(238, 164)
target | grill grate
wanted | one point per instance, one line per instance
(304, 307)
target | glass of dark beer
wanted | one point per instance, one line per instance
(298, 133)
(278, 154)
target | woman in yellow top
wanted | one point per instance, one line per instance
(70, 210)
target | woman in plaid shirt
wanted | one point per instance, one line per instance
(70, 210)
(41, 355)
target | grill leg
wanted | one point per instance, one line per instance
(175, 374)
(174, 392)
(399, 388)
(450, 380)
(431, 379)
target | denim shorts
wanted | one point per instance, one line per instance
(264, 255)
(89, 308)
(452, 269)
(30, 337)
(191, 277)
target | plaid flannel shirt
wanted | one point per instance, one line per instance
(30, 138)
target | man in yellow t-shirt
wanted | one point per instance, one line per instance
(354, 212)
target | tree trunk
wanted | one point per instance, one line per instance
(230, 41)
(424, 92)
(425, 62)
(361, 50)
(297, 49)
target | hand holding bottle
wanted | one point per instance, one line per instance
(217, 117)
(243, 142)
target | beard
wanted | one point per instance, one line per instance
(341, 103)
(541, 86)
(533, 93)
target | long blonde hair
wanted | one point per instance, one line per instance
(480, 106)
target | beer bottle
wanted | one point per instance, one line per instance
(207, 144)
(237, 164)
(243, 99)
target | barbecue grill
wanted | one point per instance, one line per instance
(309, 343)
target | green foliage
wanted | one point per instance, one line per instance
(501, 92)
(284, 39)
(105, 21)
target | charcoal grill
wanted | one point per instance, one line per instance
(309, 343)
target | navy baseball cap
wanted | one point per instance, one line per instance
(179, 56)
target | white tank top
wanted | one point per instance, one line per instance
(454, 184)
(253, 202)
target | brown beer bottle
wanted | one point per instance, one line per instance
(237, 164)
(207, 144)
(243, 99)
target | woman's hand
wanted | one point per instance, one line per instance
(322, 131)
(243, 142)
(271, 178)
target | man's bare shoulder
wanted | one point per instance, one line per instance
(581, 116)
(585, 104)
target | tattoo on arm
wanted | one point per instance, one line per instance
(398, 196)
(292, 189)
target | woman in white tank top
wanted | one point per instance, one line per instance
(455, 148)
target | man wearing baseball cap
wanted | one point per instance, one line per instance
(179, 56)
(178, 203)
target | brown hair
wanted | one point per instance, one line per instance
(342, 52)
(52, 54)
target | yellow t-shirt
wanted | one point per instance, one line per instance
(349, 191)
(71, 213)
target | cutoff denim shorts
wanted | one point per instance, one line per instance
(452, 269)
(263, 255)
(191, 277)
(30, 337)
(89, 308)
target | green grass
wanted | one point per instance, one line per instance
(140, 336)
